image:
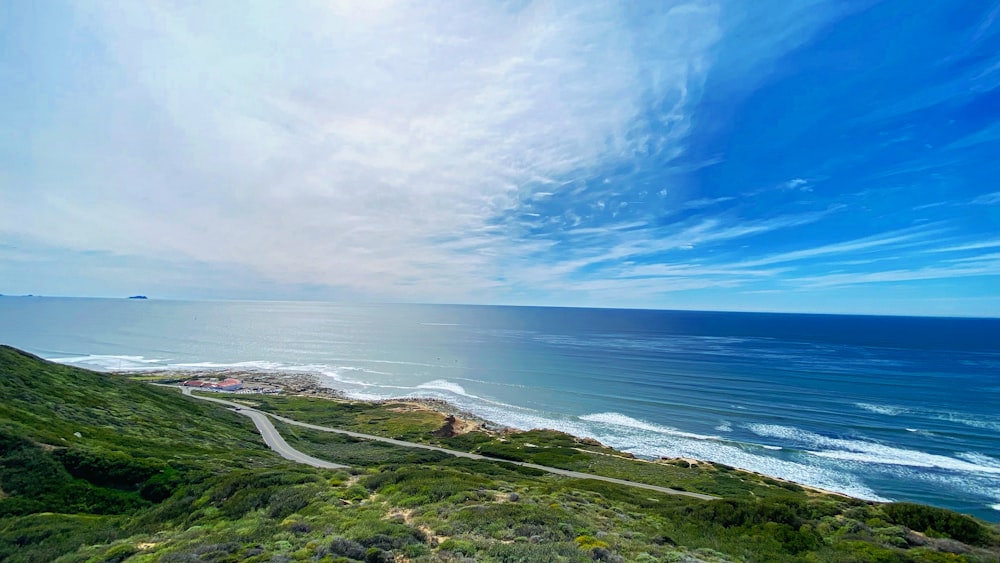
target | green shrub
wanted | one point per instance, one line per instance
(29, 471)
(107, 468)
(929, 519)
(118, 553)
(502, 451)
(289, 500)
(463, 547)
(862, 552)
(162, 485)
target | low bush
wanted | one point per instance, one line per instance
(931, 521)
(107, 468)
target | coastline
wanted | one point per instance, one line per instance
(460, 421)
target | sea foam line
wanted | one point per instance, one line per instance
(619, 419)
(888, 410)
(110, 362)
(865, 451)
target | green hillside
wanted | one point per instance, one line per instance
(96, 467)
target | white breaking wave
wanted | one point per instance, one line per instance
(724, 426)
(995, 506)
(974, 423)
(829, 479)
(359, 396)
(339, 377)
(249, 365)
(980, 459)
(618, 419)
(887, 410)
(109, 362)
(867, 452)
(445, 385)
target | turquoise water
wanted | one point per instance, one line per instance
(876, 407)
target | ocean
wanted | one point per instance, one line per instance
(881, 408)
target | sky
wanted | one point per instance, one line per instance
(808, 156)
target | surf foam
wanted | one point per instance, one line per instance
(619, 419)
(111, 362)
(444, 385)
(867, 452)
(888, 410)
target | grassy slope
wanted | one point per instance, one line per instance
(50, 403)
(545, 447)
(155, 476)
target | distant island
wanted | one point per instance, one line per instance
(138, 297)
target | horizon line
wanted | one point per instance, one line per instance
(511, 305)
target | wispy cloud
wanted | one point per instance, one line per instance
(967, 246)
(592, 153)
(987, 199)
(985, 267)
(902, 238)
(338, 143)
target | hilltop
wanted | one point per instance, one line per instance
(99, 467)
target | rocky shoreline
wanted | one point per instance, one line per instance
(308, 385)
(457, 421)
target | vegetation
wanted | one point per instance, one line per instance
(94, 467)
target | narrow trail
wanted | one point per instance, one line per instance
(274, 440)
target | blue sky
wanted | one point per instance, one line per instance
(772, 156)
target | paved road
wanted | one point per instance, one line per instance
(277, 443)
(271, 436)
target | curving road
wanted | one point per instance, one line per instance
(278, 444)
(271, 436)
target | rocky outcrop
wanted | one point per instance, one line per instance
(447, 429)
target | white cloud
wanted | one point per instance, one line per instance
(636, 250)
(987, 267)
(897, 239)
(347, 143)
(967, 246)
(796, 183)
(987, 199)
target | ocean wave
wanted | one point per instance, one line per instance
(971, 422)
(980, 459)
(619, 419)
(338, 376)
(829, 479)
(495, 383)
(445, 385)
(259, 365)
(724, 426)
(111, 362)
(361, 396)
(888, 410)
(865, 451)
(909, 459)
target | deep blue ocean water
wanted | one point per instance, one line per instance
(876, 407)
